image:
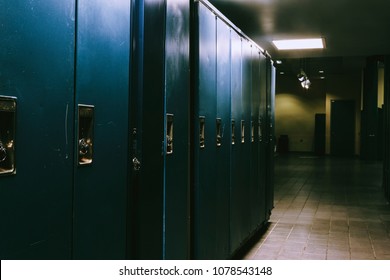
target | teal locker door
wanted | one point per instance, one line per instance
(246, 138)
(255, 186)
(205, 136)
(223, 143)
(36, 128)
(236, 186)
(176, 184)
(270, 124)
(101, 161)
(148, 116)
(262, 136)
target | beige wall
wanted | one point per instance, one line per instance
(295, 111)
(295, 108)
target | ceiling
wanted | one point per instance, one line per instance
(353, 29)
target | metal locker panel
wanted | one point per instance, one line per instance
(102, 80)
(37, 68)
(149, 137)
(270, 123)
(255, 186)
(246, 117)
(262, 136)
(236, 148)
(223, 132)
(176, 209)
(205, 122)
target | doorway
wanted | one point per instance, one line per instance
(342, 128)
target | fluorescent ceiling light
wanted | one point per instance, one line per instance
(299, 44)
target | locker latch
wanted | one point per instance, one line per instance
(169, 144)
(7, 135)
(85, 134)
(252, 131)
(136, 164)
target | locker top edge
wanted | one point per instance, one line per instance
(221, 16)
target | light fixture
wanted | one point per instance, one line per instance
(302, 77)
(299, 44)
(278, 62)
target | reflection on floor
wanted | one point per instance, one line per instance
(326, 208)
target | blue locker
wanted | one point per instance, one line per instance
(159, 199)
(246, 137)
(205, 103)
(270, 134)
(37, 72)
(177, 96)
(236, 195)
(255, 179)
(223, 143)
(147, 126)
(102, 97)
(262, 155)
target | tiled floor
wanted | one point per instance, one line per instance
(326, 208)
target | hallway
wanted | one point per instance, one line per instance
(326, 208)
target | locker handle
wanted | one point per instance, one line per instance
(219, 132)
(242, 131)
(202, 132)
(233, 133)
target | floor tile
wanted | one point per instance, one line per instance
(326, 208)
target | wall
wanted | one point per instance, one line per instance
(295, 108)
(295, 111)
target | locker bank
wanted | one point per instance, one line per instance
(131, 130)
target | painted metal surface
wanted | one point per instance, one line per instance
(37, 66)
(102, 80)
(270, 132)
(236, 196)
(159, 206)
(263, 140)
(177, 96)
(245, 186)
(255, 197)
(224, 144)
(205, 108)
(148, 143)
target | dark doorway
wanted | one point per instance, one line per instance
(342, 128)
